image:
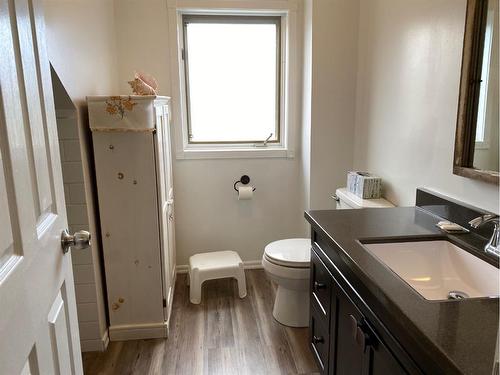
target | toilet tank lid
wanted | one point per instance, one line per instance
(290, 252)
(354, 201)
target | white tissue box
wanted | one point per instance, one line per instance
(364, 185)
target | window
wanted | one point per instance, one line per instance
(232, 79)
(481, 127)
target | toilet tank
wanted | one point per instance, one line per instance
(347, 200)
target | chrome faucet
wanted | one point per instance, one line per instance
(493, 246)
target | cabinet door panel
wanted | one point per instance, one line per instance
(351, 356)
(128, 206)
(163, 202)
(382, 362)
(166, 203)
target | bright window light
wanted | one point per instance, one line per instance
(485, 73)
(232, 72)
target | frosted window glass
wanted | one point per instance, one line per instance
(232, 81)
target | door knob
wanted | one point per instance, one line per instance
(79, 240)
(318, 286)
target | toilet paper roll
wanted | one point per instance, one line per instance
(245, 193)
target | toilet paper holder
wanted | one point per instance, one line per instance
(244, 180)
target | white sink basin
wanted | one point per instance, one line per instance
(436, 268)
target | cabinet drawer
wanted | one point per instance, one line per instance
(320, 284)
(319, 338)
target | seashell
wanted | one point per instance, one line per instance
(143, 84)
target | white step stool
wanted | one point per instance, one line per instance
(214, 265)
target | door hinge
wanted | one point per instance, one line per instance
(183, 54)
(164, 302)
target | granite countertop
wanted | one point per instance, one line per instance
(452, 336)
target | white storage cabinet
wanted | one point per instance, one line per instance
(132, 152)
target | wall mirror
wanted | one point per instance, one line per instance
(477, 136)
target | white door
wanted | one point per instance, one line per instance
(38, 324)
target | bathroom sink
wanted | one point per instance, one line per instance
(439, 270)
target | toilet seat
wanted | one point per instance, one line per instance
(292, 252)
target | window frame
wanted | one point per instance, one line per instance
(220, 18)
(291, 73)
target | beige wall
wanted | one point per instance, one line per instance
(81, 43)
(328, 98)
(407, 95)
(209, 217)
(142, 41)
(305, 137)
(333, 99)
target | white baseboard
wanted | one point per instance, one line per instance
(97, 345)
(247, 264)
(138, 331)
(252, 264)
(182, 268)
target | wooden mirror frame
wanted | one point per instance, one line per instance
(463, 161)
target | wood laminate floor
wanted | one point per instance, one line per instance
(222, 335)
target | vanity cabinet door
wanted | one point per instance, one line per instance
(352, 352)
(359, 349)
(382, 361)
(353, 346)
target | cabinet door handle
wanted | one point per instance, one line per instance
(362, 338)
(319, 286)
(354, 326)
(318, 339)
(359, 335)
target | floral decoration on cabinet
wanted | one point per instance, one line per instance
(116, 105)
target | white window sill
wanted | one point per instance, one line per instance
(228, 153)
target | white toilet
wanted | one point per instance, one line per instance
(287, 263)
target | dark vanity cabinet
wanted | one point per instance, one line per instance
(341, 338)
